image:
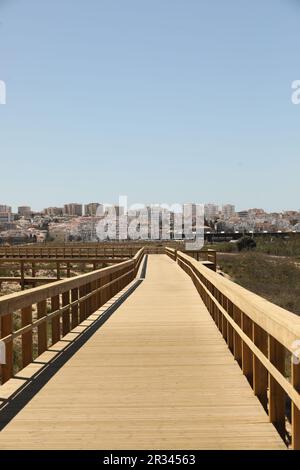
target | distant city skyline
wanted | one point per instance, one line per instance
(165, 101)
(83, 204)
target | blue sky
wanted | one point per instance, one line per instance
(161, 100)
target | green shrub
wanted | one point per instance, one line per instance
(246, 243)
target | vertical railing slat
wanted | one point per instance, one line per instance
(276, 393)
(6, 329)
(26, 316)
(42, 329)
(55, 322)
(295, 410)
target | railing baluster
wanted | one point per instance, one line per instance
(74, 309)
(237, 342)
(82, 305)
(56, 320)
(42, 329)
(276, 393)
(66, 313)
(26, 315)
(247, 356)
(260, 374)
(229, 327)
(295, 410)
(6, 329)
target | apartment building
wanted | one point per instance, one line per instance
(93, 208)
(24, 211)
(73, 209)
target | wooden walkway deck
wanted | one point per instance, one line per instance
(156, 375)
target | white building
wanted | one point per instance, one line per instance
(211, 212)
(228, 210)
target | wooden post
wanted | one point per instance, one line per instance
(237, 342)
(260, 373)
(229, 327)
(42, 329)
(247, 355)
(276, 393)
(55, 322)
(58, 270)
(88, 302)
(33, 273)
(22, 275)
(295, 410)
(26, 314)
(74, 309)
(66, 313)
(82, 305)
(6, 329)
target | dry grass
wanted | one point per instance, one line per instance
(276, 279)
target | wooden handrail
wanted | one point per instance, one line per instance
(261, 336)
(73, 249)
(64, 304)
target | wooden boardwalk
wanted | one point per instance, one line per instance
(156, 375)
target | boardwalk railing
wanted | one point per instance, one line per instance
(264, 339)
(82, 250)
(40, 251)
(60, 267)
(209, 257)
(34, 320)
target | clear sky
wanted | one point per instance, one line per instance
(161, 100)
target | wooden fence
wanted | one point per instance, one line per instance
(264, 339)
(48, 313)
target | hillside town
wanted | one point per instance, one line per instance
(78, 222)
